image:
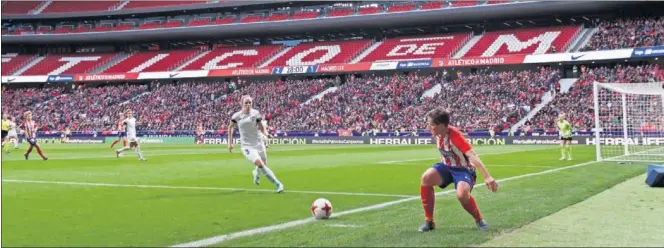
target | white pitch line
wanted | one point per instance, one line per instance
(344, 225)
(221, 238)
(200, 188)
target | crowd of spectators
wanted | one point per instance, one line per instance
(577, 103)
(483, 100)
(82, 109)
(360, 104)
(627, 33)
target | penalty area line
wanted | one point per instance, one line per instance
(226, 237)
(201, 188)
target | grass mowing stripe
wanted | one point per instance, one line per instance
(221, 238)
(488, 153)
(200, 188)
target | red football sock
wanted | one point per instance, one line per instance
(471, 207)
(124, 143)
(114, 142)
(40, 152)
(428, 200)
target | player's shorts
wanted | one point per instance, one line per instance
(32, 141)
(132, 139)
(199, 138)
(121, 134)
(12, 134)
(455, 174)
(253, 153)
(566, 138)
(4, 134)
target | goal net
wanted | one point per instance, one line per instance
(629, 121)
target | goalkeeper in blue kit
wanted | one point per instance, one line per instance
(565, 132)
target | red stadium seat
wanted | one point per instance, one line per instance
(173, 24)
(63, 30)
(82, 29)
(524, 41)
(306, 15)
(155, 4)
(332, 52)
(153, 61)
(68, 64)
(44, 30)
(251, 18)
(225, 20)
(123, 26)
(340, 12)
(199, 22)
(11, 63)
(277, 17)
(463, 4)
(401, 8)
(427, 47)
(151, 25)
(370, 10)
(102, 28)
(76, 6)
(234, 57)
(20, 7)
(432, 5)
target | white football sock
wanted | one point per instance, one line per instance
(138, 151)
(270, 175)
(123, 149)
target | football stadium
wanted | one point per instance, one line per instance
(328, 123)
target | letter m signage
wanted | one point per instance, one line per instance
(521, 44)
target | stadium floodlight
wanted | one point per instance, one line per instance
(629, 122)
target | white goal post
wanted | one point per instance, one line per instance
(629, 121)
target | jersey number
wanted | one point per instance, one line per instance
(246, 151)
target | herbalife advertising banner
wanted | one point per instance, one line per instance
(159, 140)
(476, 141)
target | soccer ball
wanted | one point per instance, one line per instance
(321, 209)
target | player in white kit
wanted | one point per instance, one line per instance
(248, 121)
(12, 135)
(130, 126)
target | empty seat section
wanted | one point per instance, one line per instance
(82, 29)
(154, 4)
(401, 8)
(77, 6)
(234, 57)
(44, 30)
(340, 12)
(305, 15)
(152, 61)
(371, 10)
(463, 4)
(322, 53)
(151, 25)
(432, 5)
(123, 26)
(199, 22)
(172, 24)
(428, 47)
(68, 64)
(252, 18)
(225, 20)
(277, 17)
(12, 63)
(63, 30)
(525, 41)
(20, 7)
(102, 28)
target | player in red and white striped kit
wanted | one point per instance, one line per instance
(30, 128)
(457, 165)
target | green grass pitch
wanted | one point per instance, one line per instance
(84, 196)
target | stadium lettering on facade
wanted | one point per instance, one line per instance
(251, 71)
(331, 68)
(104, 77)
(477, 61)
